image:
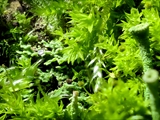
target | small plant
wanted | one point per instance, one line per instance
(79, 60)
(151, 79)
(3, 5)
(141, 34)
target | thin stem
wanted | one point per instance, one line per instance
(141, 34)
(151, 79)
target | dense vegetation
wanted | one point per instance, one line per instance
(79, 59)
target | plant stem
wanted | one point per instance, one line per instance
(151, 79)
(140, 33)
(74, 105)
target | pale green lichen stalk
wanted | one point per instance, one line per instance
(141, 34)
(74, 105)
(151, 79)
(72, 108)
